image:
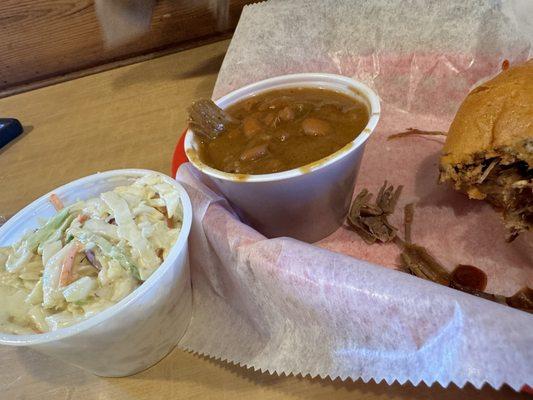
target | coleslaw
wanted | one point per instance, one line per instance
(88, 256)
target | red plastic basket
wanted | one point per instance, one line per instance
(179, 157)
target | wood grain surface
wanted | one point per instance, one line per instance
(40, 39)
(132, 117)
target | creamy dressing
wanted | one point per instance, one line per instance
(14, 310)
(88, 256)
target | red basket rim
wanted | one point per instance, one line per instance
(179, 157)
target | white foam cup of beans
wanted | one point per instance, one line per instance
(306, 203)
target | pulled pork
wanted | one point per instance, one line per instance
(504, 182)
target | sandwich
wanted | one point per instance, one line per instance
(488, 152)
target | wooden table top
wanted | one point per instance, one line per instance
(132, 117)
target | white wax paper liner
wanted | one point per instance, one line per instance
(283, 306)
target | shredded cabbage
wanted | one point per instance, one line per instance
(88, 256)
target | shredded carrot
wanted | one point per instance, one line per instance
(82, 218)
(66, 268)
(35, 328)
(170, 222)
(56, 202)
(505, 65)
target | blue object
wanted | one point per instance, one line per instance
(10, 128)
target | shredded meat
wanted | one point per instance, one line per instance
(511, 189)
(507, 186)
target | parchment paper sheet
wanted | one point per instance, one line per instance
(284, 306)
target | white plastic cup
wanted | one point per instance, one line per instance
(142, 328)
(306, 203)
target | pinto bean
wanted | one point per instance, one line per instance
(269, 118)
(249, 104)
(254, 153)
(316, 127)
(251, 126)
(263, 106)
(287, 114)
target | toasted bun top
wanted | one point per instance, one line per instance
(496, 116)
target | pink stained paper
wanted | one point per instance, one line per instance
(284, 306)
